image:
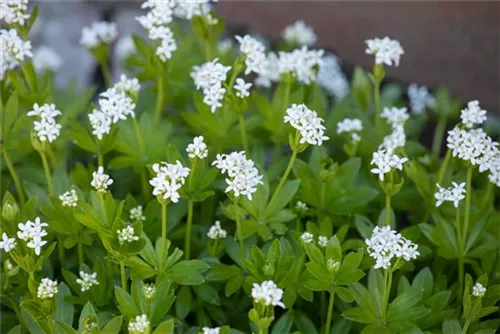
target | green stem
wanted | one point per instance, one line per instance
(60, 250)
(17, 312)
(283, 178)
(137, 131)
(50, 323)
(376, 95)
(208, 49)
(444, 167)
(460, 253)
(243, 133)
(80, 252)
(388, 209)
(100, 195)
(468, 197)
(300, 265)
(238, 227)
(100, 160)
(437, 141)
(144, 185)
(48, 176)
(466, 327)
(189, 225)
(14, 176)
(106, 73)
(163, 240)
(286, 98)
(123, 275)
(329, 314)
(160, 96)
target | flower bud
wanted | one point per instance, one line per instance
(333, 265)
(268, 270)
(10, 210)
(149, 291)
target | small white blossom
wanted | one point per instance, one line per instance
(216, 231)
(271, 71)
(351, 126)
(474, 146)
(385, 162)
(14, 11)
(395, 116)
(47, 289)
(69, 198)
(45, 58)
(301, 206)
(197, 149)
(100, 122)
(98, 33)
(127, 235)
(225, 45)
(454, 194)
(332, 264)
(167, 46)
(160, 13)
(242, 88)
(125, 47)
(116, 105)
(207, 330)
(148, 291)
(301, 63)
(128, 86)
(299, 33)
(322, 241)
(307, 237)
(14, 50)
(136, 214)
(243, 176)
(168, 180)
(45, 126)
(7, 244)
(101, 181)
(209, 78)
(32, 233)
(254, 52)
(420, 98)
(189, 9)
(268, 293)
(332, 78)
(307, 122)
(478, 290)
(473, 114)
(387, 51)
(87, 280)
(386, 244)
(139, 325)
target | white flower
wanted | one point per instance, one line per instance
(307, 237)
(454, 194)
(301, 206)
(127, 235)
(187, 9)
(14, 50)
(271, 71)
(167, 46)
(7, 244)
(125, 47)
(268, 293)
(148, 290)
(160, 13)
(351, 126)
(478, 290)
(254, 52)
(207, 330)
(45, 126)
(301, 63)
(473, 114)
(168, 180)
(136, 214)
(197, 149)
(299, 33)
(420, 98)
(32, 233)
(225, 45)
(243, 176)
(87, 280)
(387, 51)
(98, 33)
(242, 88)
(69, 198)
(385, 162)
(397, 138)
(322, 241)
(140, 325)
(100, 122)
(386, 244)
(474, 146)
(45, 58)
(47, 289)
(101, 181)
(116, 105)
(209, 78)
(128, 86)
(331, 77)
(395, 116)
(216, 231)
(307, 122)
(14, 11)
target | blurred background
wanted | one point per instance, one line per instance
(455, 44)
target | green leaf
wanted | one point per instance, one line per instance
(113, 326)
(126, 303)
(284, 324)
(344, 294)
(333, 249)
(314, 253)
(33, 309)
(64, 310)
(360, 314)
(166, 327)
(183, 302)
(451, 327)
(285, 195)
(188, 272)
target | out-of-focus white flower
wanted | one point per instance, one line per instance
(98, 33)
(45, 58)
(116, 105)
(225, 45)
(125, 47)
(136, 214)
(301, 206)
(167, 46)
(395, 116)
(87, 280)
(331, 77)
(387, 51)
(45, 126)
(242, 88)
(216, 231)
(128, 86)
(478, 290)
(473, 114)
(254, 52)
(14, 50)
(7, 244)
(386, 244)
(307, 237)
(243, 176)
(32, 233)
(188, 9)
(127, 235)
(307, 122)
(351, 126)
(139, 325)
(100, 122)
(209, 78)
(197, 149)
(454, 194)
(168, 180)
(271, 71)
(101, 181)
(299, 33)
(322, 241)
(47, 289)
(268, 293)
(474, 146)
(14, 11)
(420, 98)
(385, 162)
(207, 330)
(301, 63)
(69, 198)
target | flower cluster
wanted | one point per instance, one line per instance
(386, 244)
(207, 330)
(351, 126)
(101, 181)
(307, 122)
(197, 149)
(268, 293)
(243, 176)
(454, 194)
(189, 9)
(302, 63)
(69, 198)
(396, 117)
(124, 47)
(253, 50)
(301, 206)
(307, 237)
(209, 78)
(216, 231)
(7, 244)
(44, 58)
(271, 71)
(14, 11)
(322, 241)
(149, 290)
(299, 33)
(87, 280)
(127, 235)
(139, 325)
(45, 126)
(98, 33)
(136, 214)
(478, 290)
(32, 233)
(386, 161)
(130, 87)
(387, 51)
(474, 146)
(14, 50)
(473, 115)
(47, 289)
(332, 78)
(242, 88)
(168, 180)
(420, 98)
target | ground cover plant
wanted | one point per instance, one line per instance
(221, 187)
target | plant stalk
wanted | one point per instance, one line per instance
(106, 73)
(80, 252)
(163, 240)
(437, 141)
(123, 276)
(187, 246)
(14, 176)
(468, 197)
(460, 252)
(329, 314)
(284, 177)
(238, 227)
(160, 97)
(48, 176)
(444, 167)
(243, 133)
(388, 209)
(376, 95)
